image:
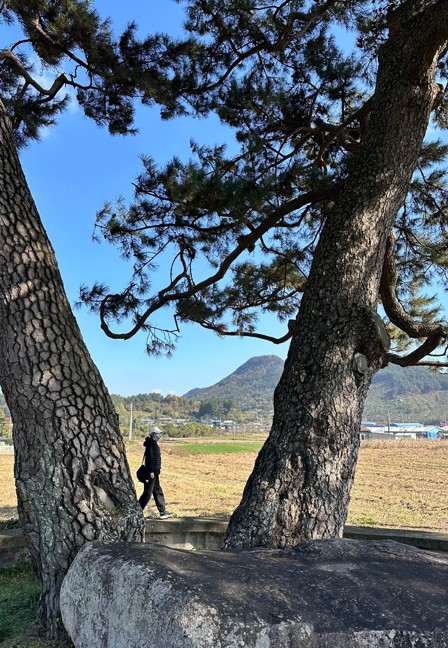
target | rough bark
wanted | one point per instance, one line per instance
(300, 486)
(72, 477)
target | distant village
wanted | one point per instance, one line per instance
(229, 426)
(370, 431)
(172, 427)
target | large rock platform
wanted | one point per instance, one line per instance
(324, 594)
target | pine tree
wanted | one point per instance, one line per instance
(72, 477)
(333, 203)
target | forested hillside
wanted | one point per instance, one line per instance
(401, 394)
(251, 386)
(398, 381)
(408, 394)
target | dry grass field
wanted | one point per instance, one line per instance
(398, 483)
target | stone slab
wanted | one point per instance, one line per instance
(187, 532)
(10, 538)
(324, 594)
(208, 533)
(431, 540)
(13, 548)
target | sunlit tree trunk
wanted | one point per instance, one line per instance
(300, 486)
(72, 477)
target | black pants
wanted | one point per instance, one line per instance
(153, 487)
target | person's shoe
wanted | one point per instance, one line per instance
(165, 515)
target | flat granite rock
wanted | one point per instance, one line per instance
(323, 594)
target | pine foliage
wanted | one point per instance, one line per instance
(236, 224)
(240, 224)
(67, 52)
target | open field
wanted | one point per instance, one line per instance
(398, 483)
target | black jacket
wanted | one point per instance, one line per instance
(153, 457)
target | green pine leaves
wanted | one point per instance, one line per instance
(237, 226)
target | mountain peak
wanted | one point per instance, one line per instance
(414, 393)
(251, 385)
(264, 362)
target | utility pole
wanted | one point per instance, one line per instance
(130, 425)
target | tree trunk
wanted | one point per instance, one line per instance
(72, 477)
(300, 486)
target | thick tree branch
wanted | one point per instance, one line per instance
(337, 132)
(244, 242)
(58, 83)
(415, 357)
(435, 333)
(58, 46)
(260, 336)
(394, 310)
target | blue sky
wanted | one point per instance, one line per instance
(76, 168)
(72, 171)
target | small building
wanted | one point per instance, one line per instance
(428, 432)
(364, 433)
(370, 432)
(405, 435)
(407, 426)
(415, 431)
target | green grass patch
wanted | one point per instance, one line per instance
(220, 490)
(220, 448)
(19, 594)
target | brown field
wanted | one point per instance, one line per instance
(400, 484)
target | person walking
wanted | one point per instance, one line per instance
(153, 461)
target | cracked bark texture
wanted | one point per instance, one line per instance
(300, 486)
(72, 477)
